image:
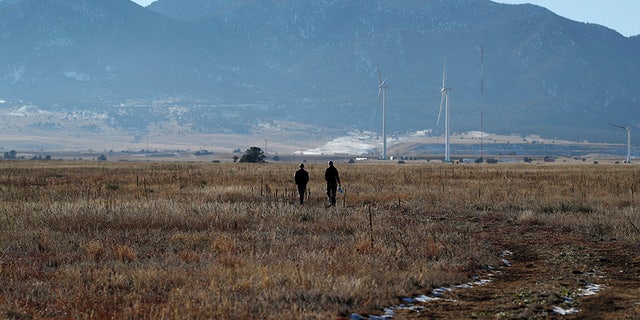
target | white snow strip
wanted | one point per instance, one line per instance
(564, 312)
(438, 292)
(354, 143)
(435, 295)
(590, 289)
(480, 282)
(424, 298)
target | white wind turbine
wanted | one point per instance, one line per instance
(628, 160)
(445, 101)
(382, 96)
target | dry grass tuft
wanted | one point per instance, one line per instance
(95, 250)
(124, 253)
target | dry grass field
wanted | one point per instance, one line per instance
(127, 240)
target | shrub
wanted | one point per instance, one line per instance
(253, 155)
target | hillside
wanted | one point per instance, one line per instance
(230, 65)
(80, 51)
(549, 73)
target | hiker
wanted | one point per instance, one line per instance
(301, 178)
(333, 182)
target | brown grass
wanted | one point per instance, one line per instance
(202, 240)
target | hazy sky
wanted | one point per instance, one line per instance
(620, 15)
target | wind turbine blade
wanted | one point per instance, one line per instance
(440, 112)
(444, 75)
(618, 126)
(378, 108)
(444, 79)
(379, 75)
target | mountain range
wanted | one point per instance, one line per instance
(221, 66)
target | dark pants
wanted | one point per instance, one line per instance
(301, 192)
(331, 193)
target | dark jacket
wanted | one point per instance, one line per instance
(332, 176)
(302, 177)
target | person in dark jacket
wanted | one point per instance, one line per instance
(333, 182)
(301, 178)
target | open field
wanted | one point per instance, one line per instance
(176, 240)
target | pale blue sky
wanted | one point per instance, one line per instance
(620, 15)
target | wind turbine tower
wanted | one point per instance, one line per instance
(628, 160)
(382, 96)
(445, 102)
(482, 102)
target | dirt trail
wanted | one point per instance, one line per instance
(549, 269)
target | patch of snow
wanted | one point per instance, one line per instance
(435, 295)
(409, 302)
(77, 75)
(26, 110)
(423, 298)
(505, 261)
(354, 143)
(564, 312)
(439, 292)
(480, 282)
(356, 316)
(477, 134)
(85, 115)
(590, 289)
(421, 133)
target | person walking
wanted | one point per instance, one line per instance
(333, 182)
(301, 178)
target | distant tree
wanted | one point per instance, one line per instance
(253, 155)
(235, 158)
(102, 157)
(10, 155)
(203, 153)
